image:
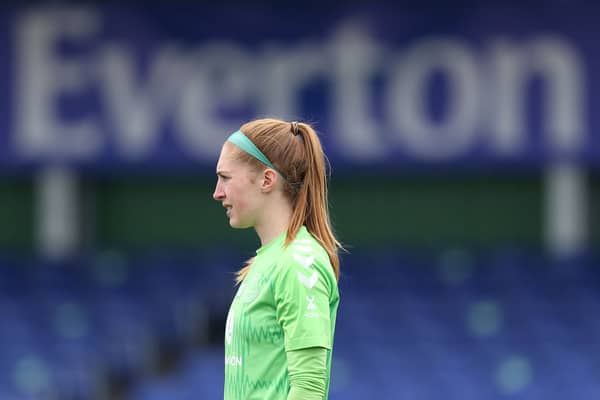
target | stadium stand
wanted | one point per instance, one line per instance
(507, 324)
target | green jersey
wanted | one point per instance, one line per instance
(288, 301)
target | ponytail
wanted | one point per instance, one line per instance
(311, 207)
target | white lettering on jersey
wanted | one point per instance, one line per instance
(233, 361)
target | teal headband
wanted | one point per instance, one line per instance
(240, 140)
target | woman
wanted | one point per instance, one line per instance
(280, 326)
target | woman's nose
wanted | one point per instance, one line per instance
(218, 193)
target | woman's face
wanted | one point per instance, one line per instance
(238, 189)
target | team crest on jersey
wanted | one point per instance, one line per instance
(250, 288)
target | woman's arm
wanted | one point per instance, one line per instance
(307, 369)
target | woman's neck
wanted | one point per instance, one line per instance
(274, 223)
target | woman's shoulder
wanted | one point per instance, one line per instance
(305, 254)
(305, 245)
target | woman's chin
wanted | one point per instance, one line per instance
(234, 223)
(237, 224)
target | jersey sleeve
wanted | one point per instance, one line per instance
(308, 373)
(302, 292)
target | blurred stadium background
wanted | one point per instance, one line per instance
(464, 143)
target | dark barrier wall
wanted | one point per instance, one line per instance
(422, 211)
(16, 213)
(368, 212)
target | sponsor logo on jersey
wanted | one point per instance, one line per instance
(311, 308)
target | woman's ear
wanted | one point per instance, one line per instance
(269, 180)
